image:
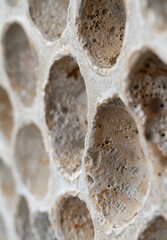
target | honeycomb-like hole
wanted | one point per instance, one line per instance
(75, 220)
(22, 221)
(116, 167)
(157, 230)
(12, 2)
(43, 226)
(6, 117)
(7, 181)
(160, 10)
(3, 235)
(50, 16)
(101, 26)
(66, 113)
(21, 63)
(148, 97)
(32, 160)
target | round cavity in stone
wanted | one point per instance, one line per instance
(31, 159)
(43, 226)
(66, 113)
(74, 219)
(21, 63)
(101, 27)
(12, 2)
(116, 167)
(6, 117)
(157, 230)
(7, 181)
(50, 17)
(22, 221)
(159, 8)
(147, 90)
(3, 235)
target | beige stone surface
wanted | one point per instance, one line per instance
(83, 120)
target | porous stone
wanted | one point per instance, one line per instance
(83, 120)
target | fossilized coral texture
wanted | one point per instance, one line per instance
(83, 120)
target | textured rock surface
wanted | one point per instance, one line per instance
(83, 120)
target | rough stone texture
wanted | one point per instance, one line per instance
(149, 98)
(157, 229)
(50, 16)
(74, 220)
(116, 167)
(66, 113)
(101, 26)
(83, 120)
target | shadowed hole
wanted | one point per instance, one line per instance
(50, 17)
(66, 113)
(21, 63)
(7, 185)
(22, 221)
(6, 118)
(32, 160)
(75, 220)
(43, 226)
(148, 97)
(157, 230)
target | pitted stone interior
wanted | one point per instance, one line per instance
(21, 63)
(7, 184)
(6, 115)
(50, 17)
(148, 97)
(55, 183)
(32, 160)
(101, 26)
(22, 221)
(157, 230)
(66, 113)
(43, 227)
(75, 220)
(3, 235)
(116, 167)
(32, 227)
